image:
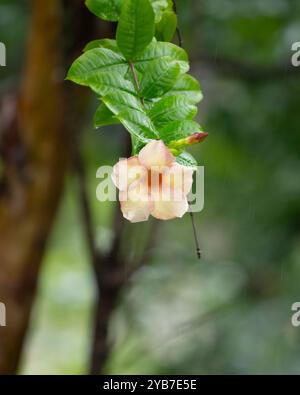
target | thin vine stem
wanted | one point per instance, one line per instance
(197, 243)
(198, 249)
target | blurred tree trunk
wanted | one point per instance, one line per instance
(35, 151)
(39, 136)
(36, 148)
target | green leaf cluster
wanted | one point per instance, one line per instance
(140, 79)
(110, 10)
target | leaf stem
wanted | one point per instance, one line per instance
(136, 81)
(199, 254)
(198, 249)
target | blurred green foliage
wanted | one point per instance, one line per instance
(231, 312)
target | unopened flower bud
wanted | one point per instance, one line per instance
(196, 138)
(190, 140)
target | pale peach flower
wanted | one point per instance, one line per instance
(152, 183)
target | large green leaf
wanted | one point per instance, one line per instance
(159, 76)
(103, 83)
(158, 49)
(104, 117)
(105, 9)
(136, 27)
(186, 159)
(166, 27)
(177, 130)
(94, 61)
(188, 86)
(172, 108)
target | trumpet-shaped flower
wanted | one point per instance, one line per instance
(152, 183)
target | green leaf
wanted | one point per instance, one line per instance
(103, 83)
(159, 49)
(159, 76)
(188, 86)
(118, 101)
(129, 110)
(160, 6)
(137, 145)
(103, 43)
(136, 27)
(105, 9)
(104, 117)
(166, 28)
(94, 61)
(186, 159)
(138, 124)
(110, 9)
(172, 108)
(177, 130)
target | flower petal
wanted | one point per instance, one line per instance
(126, 171)
(165, 210)
(136, 205)
(178, 178)
(156, 154)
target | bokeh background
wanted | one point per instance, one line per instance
(229, 313)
